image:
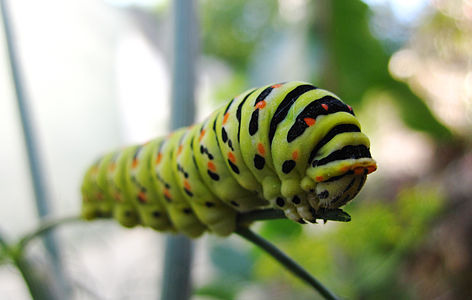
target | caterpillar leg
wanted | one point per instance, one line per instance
(289, 209)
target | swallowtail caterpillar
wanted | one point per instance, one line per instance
(289, 146)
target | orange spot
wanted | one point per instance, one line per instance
(276, 85)
(202, 133)
(371, 169)
(261, 104)
(225, 118)
(358, 170)
(231, 157)
(179, 150)
(167, 194)
(187, 185)
(261, 149)
(159, 158)
(295, 155)
(344, 169)
(325, 106)
(309, 121)
(142, 197)
(134, 164)
(319, 178)
(350, 108)
(211, 166)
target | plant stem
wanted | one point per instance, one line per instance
(44, 227)
(286, 261)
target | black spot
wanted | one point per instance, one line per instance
(349, 185)
(284, 107)
(128, 214)
(195, 162)
(334, 178)
(234, 203)
(210, 156)
(296, 200)
(259, 162)
(335, 199)
(254, 122)
(168, 199)
(313, 110)
(224, 135)
(229, 105)
(156, 214)
(202, 150)
(185, 174)
(238, 112)
(167, 186)
(330, 135)
(280, 201)
(230, 144)
(187, 211)
(347, 152)
(313, 212)
(209, 204)
(233, 167)
(213, 176)
(323, 195)
(214, 124)
(288, 166)
(263, 95)
(188, 192)
(361, 184)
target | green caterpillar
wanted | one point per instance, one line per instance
(290, 146)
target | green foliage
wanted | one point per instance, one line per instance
(357, 63)
(362, 259)
(232, 30)
(280, 229)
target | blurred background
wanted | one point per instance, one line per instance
(97, 74)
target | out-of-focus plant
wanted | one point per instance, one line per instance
(362, 260)
(356, 62)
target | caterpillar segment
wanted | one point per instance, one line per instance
(291, 146)
(124, 208)
(214, 171)
(179, 209)
(150, 204)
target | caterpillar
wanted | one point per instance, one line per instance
(290, 146)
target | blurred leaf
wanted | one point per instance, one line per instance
(232, 29)
(363, 259)
(231, 261)
(223, 290)
(357, 62)
(280, 229)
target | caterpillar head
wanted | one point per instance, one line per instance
(339, 181)
(339, 190)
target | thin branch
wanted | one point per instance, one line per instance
(286, 261)
(46, 226)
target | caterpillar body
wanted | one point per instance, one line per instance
(290, 146)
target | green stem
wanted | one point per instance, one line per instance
(286, 261)
(44, 227)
